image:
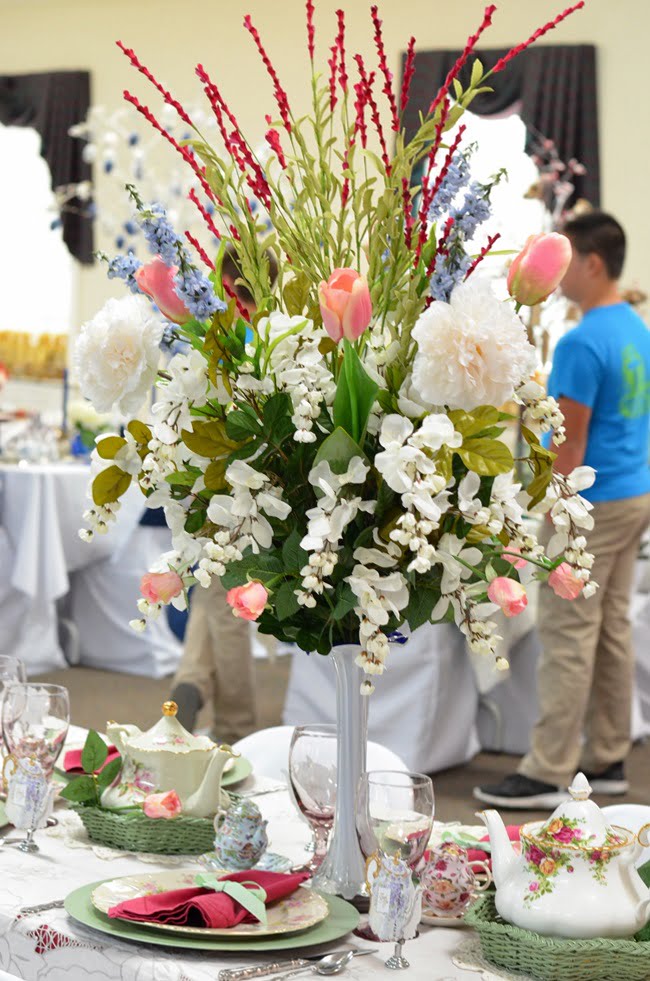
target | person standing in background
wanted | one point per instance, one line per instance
(217, 662)
(601, 379)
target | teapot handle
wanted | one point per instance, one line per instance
(485, 879)
(372, 858)
(645, 831)
(219, 819)
(8, 759)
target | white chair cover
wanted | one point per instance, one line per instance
(411, 711)
(104, 599)
(268, 751)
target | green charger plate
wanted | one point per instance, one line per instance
(342, 918)
(4, 820)
(240, 769)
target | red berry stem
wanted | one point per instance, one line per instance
(383, 67)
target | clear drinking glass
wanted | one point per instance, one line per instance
(11, 669)
(312, 771)
(394, 817)
(35, 721)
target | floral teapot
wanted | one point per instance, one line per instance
(575, 876)
(168, 757)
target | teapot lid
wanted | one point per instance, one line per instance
(168, 735)
(578, 820)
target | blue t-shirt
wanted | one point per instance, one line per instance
(604, 363)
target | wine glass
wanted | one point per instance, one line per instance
(394, 818)
(312, 772)
(35, 721)
(11, 669)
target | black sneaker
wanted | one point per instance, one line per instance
(518, 792)
(610, 781)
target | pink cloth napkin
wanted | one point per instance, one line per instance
(203, 907)
(72, 760)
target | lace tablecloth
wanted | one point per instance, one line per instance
(52, 946)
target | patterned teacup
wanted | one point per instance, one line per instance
(449, 881)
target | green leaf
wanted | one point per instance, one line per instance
(293, 556)
(109, 485)
(186, 478)
(194, 522)
(109, 773)
(470, 423)
(109, 446)
(486, 457)
(285, 601)
(296, 294)
(140, 432)
(420, 606)
(338, 449)
(215, 475)
(276, 409)
(94, 752)
(242, 424)
(208, 439)
(345, 602)
(355, 395)
(82, 790)
(537, 487)
(262, 567)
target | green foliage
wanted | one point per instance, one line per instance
(486, 457)
(109, 485)
(338, 449)
(108, 446)
(355, 395)
(87, 788)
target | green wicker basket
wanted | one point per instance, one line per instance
(554, 958)
(135, 832)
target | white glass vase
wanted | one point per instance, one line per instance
(343, 871)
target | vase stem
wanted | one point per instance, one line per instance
(343, 870)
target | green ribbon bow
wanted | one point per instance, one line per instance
(252, 899)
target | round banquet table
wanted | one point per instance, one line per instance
(51, 946)
(40, 515)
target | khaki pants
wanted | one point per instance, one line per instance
(217, 660)
(586, 669)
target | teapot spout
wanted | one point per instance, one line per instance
(503, 854)
(209, 798)
(643, 912)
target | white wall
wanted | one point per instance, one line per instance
(172, 35)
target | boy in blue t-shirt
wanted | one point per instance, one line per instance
(601, 378)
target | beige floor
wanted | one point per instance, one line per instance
(97, 696)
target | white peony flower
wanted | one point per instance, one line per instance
(116, 355)
(471, 351)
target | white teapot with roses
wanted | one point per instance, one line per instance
(575, 876)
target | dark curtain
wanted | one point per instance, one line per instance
(50, 103)
(555, 85)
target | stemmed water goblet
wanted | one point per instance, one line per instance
(12, 669)
(35, 721)
(394, 818)
(312, 774)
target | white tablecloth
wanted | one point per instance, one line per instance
(52, 947)
(40, 515)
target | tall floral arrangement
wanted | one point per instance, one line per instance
(335, 458)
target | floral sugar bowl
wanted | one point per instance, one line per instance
(575, 876)
(240, 836)
(449, 881)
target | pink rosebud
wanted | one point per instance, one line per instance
(164, 805)
(247, 601)
(161, 587)
(564, 582)
(514, 557)
(345, 304)
(157, 281)
(509, 594)
(539, 268)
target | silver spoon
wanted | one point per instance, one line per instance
(329, 965)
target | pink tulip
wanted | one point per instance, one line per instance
(564, 582)
(164, 805)
(157, 281)
(161, 587)
(514, 557)
(509, 594)
(539, 268)
(247, 601)
(345, 304)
